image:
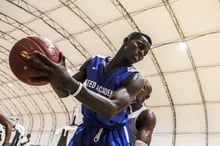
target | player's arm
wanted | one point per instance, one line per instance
(47, 68)
(59, 76)
(80, 76)
(8, 128)
(119, 99)
(145, 124)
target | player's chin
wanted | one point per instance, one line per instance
(138, 58)
(132, 60)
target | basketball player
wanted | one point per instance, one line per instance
(141, 120)
(8, 128)
(111, 85)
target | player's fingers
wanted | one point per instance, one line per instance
(38, 64)
(37, 71)
(33, 61)
(39, 79)
(43, 58)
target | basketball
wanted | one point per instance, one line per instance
(24, 49)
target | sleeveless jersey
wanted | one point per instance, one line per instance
(105, 84)
(131, 124)
(97, 130)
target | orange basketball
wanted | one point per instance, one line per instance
(23, 49)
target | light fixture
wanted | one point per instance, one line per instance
(183, 45)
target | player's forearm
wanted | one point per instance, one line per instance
(107, 107)
(145, 135)
(60, 91)
(102, 105)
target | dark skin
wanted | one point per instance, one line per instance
(131, 51)
(145, 124)
(146, 120)
(8, 128)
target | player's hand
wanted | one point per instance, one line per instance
(52, 72)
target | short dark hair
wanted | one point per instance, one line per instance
(134, 35)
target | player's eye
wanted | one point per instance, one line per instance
(140, 45)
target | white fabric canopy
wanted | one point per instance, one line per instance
(183, 65)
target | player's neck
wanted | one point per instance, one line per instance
(111, 65)
(136, 107)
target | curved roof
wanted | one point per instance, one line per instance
(183, 65)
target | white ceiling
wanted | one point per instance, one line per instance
(183, 65)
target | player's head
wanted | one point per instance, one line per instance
(144, 93)
(135, 46)
(137, 35)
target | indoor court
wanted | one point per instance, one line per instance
(183, 64)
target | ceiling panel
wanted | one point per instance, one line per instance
(157, 21)
(137, 5)
(68, 20)
(197, 16)
(190, 140)
(164, 120)
(213, 109)
(184, 116)
(210, 81)
(187, 91)
(105, 8)
(158, 96)
(182, 66)
(204, 54)
(214, 139)
(173, 57)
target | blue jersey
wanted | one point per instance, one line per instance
(105, 85)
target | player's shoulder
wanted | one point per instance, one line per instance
(146, 112)
(97, 57)
(148, 115)
(136, 77)
(146, 119)
(91, 59)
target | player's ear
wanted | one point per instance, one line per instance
(125, 40)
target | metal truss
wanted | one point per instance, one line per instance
(181, 34)
(135, 27)
(15, 96)
(125, 14)
(8, 37)
(17, 25)
(87, 20)
(22, 27)
(52, 24)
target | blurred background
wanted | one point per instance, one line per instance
(183, 65)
